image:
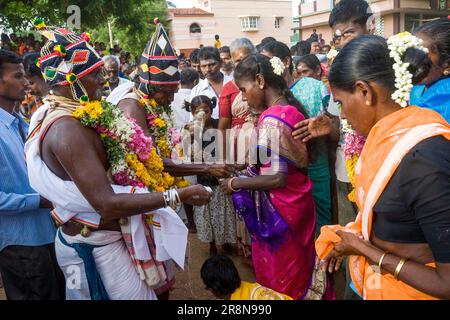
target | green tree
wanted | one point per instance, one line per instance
(130, 18)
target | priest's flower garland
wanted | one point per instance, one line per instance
(131, 155)
(167, 138)
(354, 144)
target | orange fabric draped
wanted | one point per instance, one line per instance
(388, 142)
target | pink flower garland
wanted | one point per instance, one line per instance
(354, 144)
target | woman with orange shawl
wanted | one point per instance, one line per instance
(399, 244)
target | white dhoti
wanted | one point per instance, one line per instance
(113, 264)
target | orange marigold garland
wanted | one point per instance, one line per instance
(167, 138)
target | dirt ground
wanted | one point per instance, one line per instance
(189, 285)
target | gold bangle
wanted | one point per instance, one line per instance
(381, 261)
(399, 268)
(231, 187)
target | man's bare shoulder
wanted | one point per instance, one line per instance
(69, 130)
(129, 104)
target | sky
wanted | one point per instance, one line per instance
(182, 3)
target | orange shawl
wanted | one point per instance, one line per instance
(388, 142)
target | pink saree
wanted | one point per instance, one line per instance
(289, 268)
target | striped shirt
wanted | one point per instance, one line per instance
(21, 220)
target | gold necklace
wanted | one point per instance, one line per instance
(276, 100)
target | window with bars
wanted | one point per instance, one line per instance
(249, 23)
(277, 23)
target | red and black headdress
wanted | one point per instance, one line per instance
(159, 62)
(66, 58)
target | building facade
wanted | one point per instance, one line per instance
(390, 16)
(190, 28)
(230, 19)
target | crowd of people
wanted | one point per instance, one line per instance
(29, 46)
(302, 160)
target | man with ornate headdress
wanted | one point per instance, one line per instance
(147, 101)
(102, 175)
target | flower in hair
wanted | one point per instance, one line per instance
(398, 44)
(278, 66)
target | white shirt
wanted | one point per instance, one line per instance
(340, 168)
(180, 115)
(204, 88)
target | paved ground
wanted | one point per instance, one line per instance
(189, 285)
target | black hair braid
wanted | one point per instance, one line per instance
(260, 64)
(198, 100)
(312, 145)
(355, 62)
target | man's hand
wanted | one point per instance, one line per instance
(44, 203)
(221, 170)
(196, 195)
(313, 128)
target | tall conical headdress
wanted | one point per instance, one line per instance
(66, 58)
(159, 63)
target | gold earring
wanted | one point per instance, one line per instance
(446, 72)
(367, 103)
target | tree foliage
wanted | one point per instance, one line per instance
(130, 19)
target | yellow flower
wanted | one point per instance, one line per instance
(78, 113)
(94, 109)
(139, 169)
(159, 189)
(403, 34)
(163, 148)
(169, 180)
(160, 123)
(153, 103)
(181, 182)
(350, 165)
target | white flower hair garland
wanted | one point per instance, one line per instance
(398, 44)
(278, 66)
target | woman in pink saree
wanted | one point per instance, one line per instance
(275, 198)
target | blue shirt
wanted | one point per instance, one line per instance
(436, 97)
(21, 220)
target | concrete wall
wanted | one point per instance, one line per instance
(313, 16)
(422, 4)
(228, 23)
(389, 25)
(183, 40)
(324, 30)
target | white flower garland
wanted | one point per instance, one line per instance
(398, 44)
(278, 66)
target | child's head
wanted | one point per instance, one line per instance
(220, 276)
(201, 103)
